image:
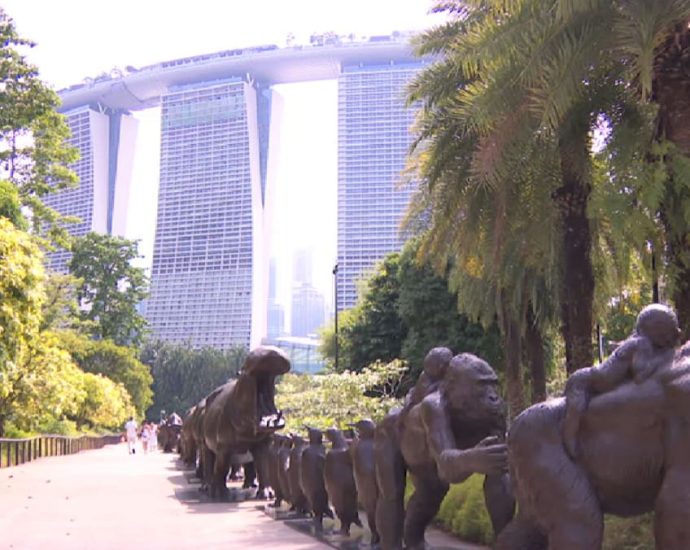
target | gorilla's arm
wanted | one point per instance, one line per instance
(456, 465)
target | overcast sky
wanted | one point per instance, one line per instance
(84, 38)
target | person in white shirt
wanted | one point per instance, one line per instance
(145, 437)
(153, 437)
(131, 428)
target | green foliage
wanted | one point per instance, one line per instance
(429, 311)
(107, 403)
(464, 513)
(629, 533)
(60, 309)
(52, 385)
(338, 399)
(10, 205)
(373, 330)
(110, 287)
(405, 310)
(118, 363)
(21, 298)
(41, 388)
(182, 376)
(32, 134)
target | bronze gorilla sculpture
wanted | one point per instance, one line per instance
(451, 427)
(633, 456)
(240, 417)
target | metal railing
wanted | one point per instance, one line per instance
(19, 451)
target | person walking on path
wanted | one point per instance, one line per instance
(145, 437)
(131, 428)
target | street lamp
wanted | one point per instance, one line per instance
(335, 300)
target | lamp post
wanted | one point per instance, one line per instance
(335, 300)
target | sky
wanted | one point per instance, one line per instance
(76, 39)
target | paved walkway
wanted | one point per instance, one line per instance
(107, 499)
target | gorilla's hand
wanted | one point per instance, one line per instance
(488, 457)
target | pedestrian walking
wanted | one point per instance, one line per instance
(131, 429)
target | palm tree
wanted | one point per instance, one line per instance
(640, 50)
(503, 117)
(488, 220)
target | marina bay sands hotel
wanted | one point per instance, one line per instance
(219, 115)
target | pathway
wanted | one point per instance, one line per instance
(107, 499)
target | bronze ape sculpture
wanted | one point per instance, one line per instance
(451, 426)
(240, 417)
(630, 455)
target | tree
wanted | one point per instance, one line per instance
(405, 310)
(500, 108)
(10, 205)
(52, 388)
(483, 209)
(21, 292)
(429, 310)
(110, 288)
(60, 310)
(33, 152)
(374, 331)
(106, 405)
(118, 363)
(182, 376)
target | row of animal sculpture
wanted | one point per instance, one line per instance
(617, 442)
(308, 476)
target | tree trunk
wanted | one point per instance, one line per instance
(672, 93)
(681, 300)
(577, 282)
(512, 346)
(676, 250)
(535, 359)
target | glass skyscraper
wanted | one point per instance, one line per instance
(219, 115)
(206, 276)
(105, 140)
(373, 140)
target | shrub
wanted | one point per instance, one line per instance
(464, 513)
(337, 399)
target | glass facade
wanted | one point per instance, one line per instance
(373, 141)
(90, 200)
(203, 263)
(77, 201)
(209, 277)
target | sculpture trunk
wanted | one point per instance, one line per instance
(577, 283)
